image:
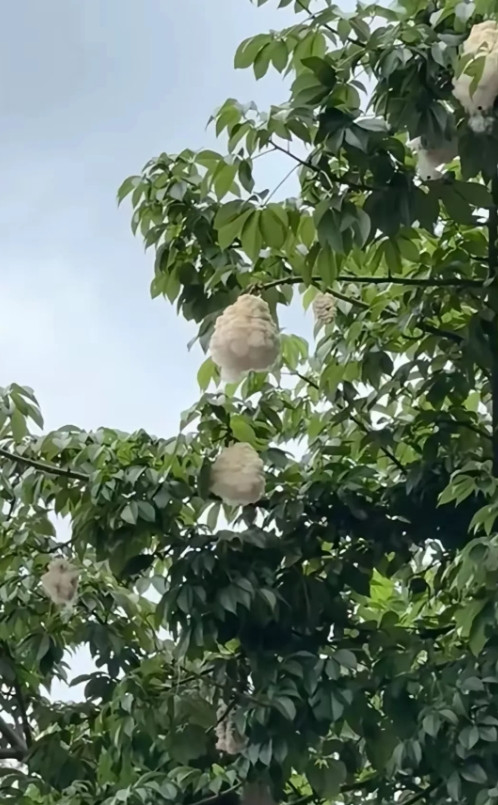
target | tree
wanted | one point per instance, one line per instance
(334, 640)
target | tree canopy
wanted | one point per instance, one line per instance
(335, 638)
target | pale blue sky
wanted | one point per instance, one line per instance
(90, 91)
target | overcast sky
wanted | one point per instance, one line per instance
(90, 91)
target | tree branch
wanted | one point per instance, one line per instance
(314, 16)
(390, 455)
(42, 466)
(434, 283)
(421, 794)
(408, 281)
(14, 739)
(431, 330)
(28, 735)
(493, 303)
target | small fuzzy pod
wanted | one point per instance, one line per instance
(430, 159)
(245, 338)
(228, 737)
(237, 475)
(324, 308)
(481, 42)
(60, 582)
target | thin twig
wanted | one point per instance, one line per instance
(331, 178)
(282, 182)
(329, 28)
(43, 466)
(357, 422)
(390, 455)
(423, 793)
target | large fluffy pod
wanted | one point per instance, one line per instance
(245, 338)
(324, 307)
(237, 475)
(60, 582)
(481, 42)
(429, 160)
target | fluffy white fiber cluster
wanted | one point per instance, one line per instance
(60, 582)
(237, 475)
(429, 160)
(481, 42)
(229, 739)
(245, 338)
(324, 306)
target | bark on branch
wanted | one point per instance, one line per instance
(42, 466)
(17, 743)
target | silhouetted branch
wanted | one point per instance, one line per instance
(24, 714)
(14, 739)
(42, 466)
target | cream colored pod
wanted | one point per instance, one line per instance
(237, 475)
(60, 582)
(481, 42)
(229, 739)
(245, 338)
(429, 160)
(323, 306)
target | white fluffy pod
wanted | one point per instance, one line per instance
(229, 739)
(245, 338)
(429, 160)
(237, 475)
(481, 42)
(324, 308)
(60, 582)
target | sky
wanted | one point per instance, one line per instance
(91, 91)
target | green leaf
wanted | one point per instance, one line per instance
(476, 194)
(130, 513)
(285, 706)
(248, 50)
(326, 780)
(127, 187)
(251, 235)
(322, 70)
(206, 373)
(232, 230)
(223, 179)
(242, 431)
(474, 773)
(18, 426)
(273, 227)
